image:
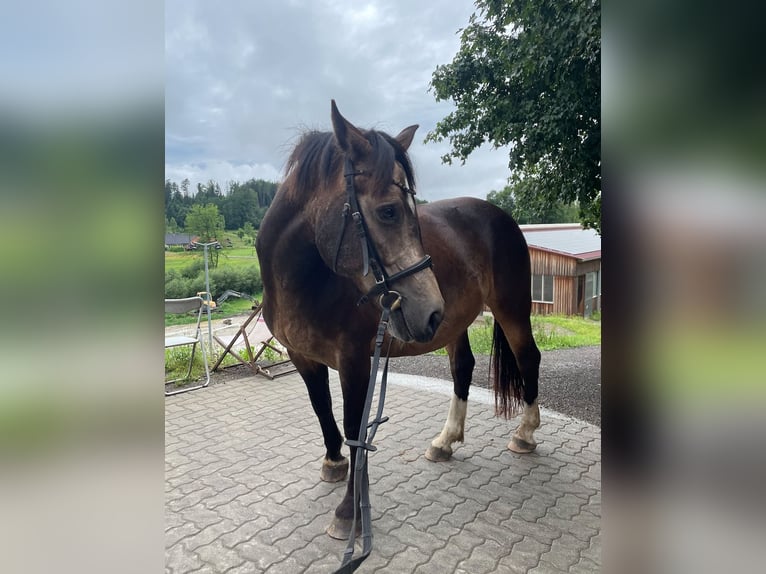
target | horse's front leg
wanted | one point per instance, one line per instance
(315, 375)
(354, 378)
(461, 362)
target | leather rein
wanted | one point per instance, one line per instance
(389, 301)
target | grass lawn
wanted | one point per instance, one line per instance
(558, 332)
(242, 253)
(550, 331)
(235, 257)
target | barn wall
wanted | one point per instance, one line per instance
(564, 298)
(567, 274)
(547, 263)
(588, 266)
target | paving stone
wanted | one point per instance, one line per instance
(409, 535)
(180, 559)
(259, 554)
(174, 535)
(209, 534)
(524, 555)
(218, 555)
(243, 497)
(408, 560)
(245, 532)
(585, 566)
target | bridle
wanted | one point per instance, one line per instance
(389, 300)
(370, 258)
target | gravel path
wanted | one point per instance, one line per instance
(570, 379)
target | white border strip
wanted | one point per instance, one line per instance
(476, 393)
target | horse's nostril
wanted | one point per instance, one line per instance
(434, 321)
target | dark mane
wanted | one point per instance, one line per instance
(316, 161)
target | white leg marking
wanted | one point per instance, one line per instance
(454, 427)
(530, 420)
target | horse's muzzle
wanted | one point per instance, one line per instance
(429, 330)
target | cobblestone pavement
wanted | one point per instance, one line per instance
(243, 492)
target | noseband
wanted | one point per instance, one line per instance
(370, 257)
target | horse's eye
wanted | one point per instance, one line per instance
(387, 213)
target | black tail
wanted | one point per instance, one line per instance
(507, 380)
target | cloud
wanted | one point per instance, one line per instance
(244, 79)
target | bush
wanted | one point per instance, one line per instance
(194, 268)
(176, 288)
(251, 280)
(180, 287)
(170, 275)
(226, 278)
(188, 283)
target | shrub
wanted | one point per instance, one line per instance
(251, 280)
(176, 288)
(189, 282)
(180, 287)
(194, 268)
(226, 278)
(242, 279)
(170, 275)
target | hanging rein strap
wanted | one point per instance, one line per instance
(364, 444)
(389, 301)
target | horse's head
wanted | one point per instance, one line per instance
(369, 231)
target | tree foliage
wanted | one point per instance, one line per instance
(522, 200)
(527, 75)
(205, 222)
(239, 204)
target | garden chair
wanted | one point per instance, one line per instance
(252, 337)
(180, 307)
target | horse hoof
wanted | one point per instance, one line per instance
(334, 470)
(521, 446)
(438, 454)
(340, 528)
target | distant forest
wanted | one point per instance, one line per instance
(247, 202)
(239, 203)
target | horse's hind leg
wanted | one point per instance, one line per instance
(315, 375)
(461, 363)
(518, 334)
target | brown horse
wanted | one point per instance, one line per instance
(316, 245)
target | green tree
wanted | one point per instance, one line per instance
(525, 200)
(527, 75)
(248, 230)
(207, 223)
(171, 226)
(504, 200)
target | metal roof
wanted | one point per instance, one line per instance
(568, 239)
(177, 238)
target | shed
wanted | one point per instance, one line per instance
(175, 239)
(566, 268)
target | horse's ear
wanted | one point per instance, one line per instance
(349, 138)
(406, 135)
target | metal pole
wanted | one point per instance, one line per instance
(209, 297)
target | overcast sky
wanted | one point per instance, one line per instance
(244, 78)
